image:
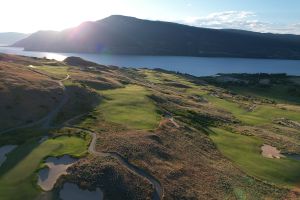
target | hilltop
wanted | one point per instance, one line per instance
(10, 38)
(128, 35)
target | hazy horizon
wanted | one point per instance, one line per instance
(269, 16)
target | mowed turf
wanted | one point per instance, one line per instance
(130, 106)
(55, 71)
(17, 175)
(262, 114)
(245, 152)
(161, 77)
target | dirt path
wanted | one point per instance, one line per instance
(54, 112)
(168, 119)
(45, 121)
(140, 172)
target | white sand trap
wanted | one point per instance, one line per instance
(4, 150)
(71, 191)
(56, 168)
(270, 152)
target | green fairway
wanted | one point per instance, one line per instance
(56, 71)
(261, 115)
(161, 78)
(17, 175)
(245, 152)
(130, 106)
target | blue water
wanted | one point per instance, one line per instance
(198, 66)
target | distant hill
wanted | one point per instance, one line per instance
(127, 35)
(11, 37)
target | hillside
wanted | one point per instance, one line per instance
(148, 134)
(127, 35)
(10, 38)
(25, 96)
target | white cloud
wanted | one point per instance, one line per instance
(245, 20)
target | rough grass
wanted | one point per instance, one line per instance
(25, 96)
(245, 152)
(129, 106)
(197, 91)
(17, 175)
(261, 115)
(278, 93)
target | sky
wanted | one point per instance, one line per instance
(28, 16)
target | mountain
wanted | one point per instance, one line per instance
(127, 35)
(11, 37)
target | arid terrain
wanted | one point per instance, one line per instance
(148, 134)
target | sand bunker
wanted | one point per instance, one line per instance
(4, 150)
(270, 152)
(71, 191)
(56, 168)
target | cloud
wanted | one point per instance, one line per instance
(245, 20)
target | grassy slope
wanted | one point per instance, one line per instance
(278, 93)
(245, 152)
(55, 71)
(17, 179)
(261, 115)
(161, 78)
(130, 106)
(25, 96)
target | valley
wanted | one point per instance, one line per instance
(145, 133)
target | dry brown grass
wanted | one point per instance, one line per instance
(25, 96)
(115, 181)
(284, 138)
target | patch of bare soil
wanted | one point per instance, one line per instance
(270, 152)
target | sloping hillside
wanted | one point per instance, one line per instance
(25, 96)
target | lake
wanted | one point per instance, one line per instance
(198, 66)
